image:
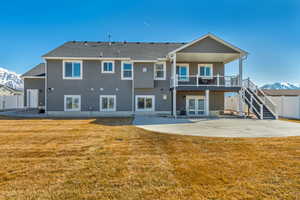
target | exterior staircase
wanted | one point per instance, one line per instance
(258, 102)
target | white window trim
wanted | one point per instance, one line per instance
(164, 68)
(188, 70)
(72, 61)
(195, 97)
(108, 96)
(145, 96)
(65, 103)
(122, 70)
(108, 72)
(206, 65)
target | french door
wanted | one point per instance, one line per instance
(195, 105)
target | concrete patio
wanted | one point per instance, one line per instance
(215, 127)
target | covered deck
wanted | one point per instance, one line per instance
(198, 69)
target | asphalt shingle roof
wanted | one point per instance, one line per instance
(38, 70)
(133, 50)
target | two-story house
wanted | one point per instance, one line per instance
(124, 78)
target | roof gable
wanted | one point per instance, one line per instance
(38, 70)
(209, 43)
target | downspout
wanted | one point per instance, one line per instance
(24, 96)
(174, 85)
(132, 98)
(46, 86)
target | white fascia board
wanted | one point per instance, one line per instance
(84, 58)
(39, 77)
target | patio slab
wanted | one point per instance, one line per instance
(219, 127)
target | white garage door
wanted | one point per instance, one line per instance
(32, 98)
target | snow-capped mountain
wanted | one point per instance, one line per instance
(281, 86)
(10, 79)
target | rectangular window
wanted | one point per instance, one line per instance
(108, 67)
(72, 70)
(182, 70)
(160, 71)
(72, 102)
(108, 103)
(205, 70)
(145, 103)
(127, 71)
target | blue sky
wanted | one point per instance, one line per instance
(269, 30)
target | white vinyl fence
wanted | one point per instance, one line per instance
(232, 103)
(287, 106)
(11, 102)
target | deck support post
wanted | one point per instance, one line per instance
(241, 71)
(207, 102)
(241, 104)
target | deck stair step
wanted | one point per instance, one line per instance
(257, 101)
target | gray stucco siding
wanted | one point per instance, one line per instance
(35, 83)
(93, 84)
(161, 88)
(143, 75)
(216, 100)
(208, 45)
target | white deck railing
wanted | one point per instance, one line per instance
(196, 80)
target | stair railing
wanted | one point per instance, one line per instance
(251, 102)
(261, 96)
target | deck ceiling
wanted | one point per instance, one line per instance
(207, 57)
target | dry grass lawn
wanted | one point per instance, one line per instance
(110, 159)
(290, 120)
